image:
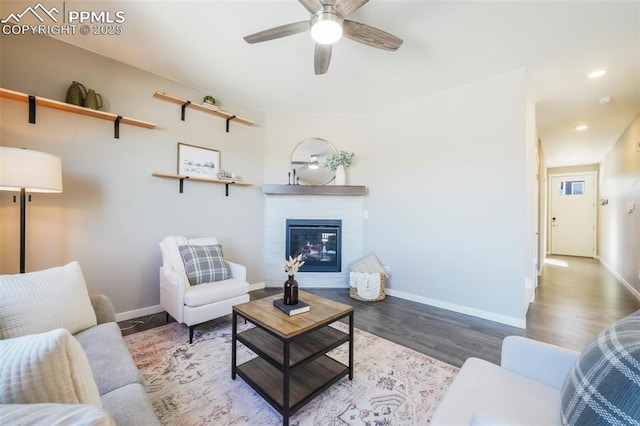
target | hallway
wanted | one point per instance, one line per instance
(577, 297)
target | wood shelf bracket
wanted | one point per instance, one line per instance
(32, 109)
(116, 127)
(228, 120)
(184, 110)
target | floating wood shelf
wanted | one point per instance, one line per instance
(50, 103)
(182, 178)
(184, 103)
(353, 190)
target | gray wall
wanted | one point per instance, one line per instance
(448, 195)
(448, 180)
(619, 231)
(113, 213)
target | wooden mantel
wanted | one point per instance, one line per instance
(353, 190)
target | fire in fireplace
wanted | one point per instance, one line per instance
(319, 241)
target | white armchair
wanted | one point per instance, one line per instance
(523, 390)
(193, 305)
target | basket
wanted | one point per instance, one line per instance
(353, 292)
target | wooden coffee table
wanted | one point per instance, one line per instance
(292, 367)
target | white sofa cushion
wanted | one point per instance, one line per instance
(40, 301)
(54, 415)
(46, 367)
(214, 292)
(483, 390)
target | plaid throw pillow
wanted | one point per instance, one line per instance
(603, 387)
(204, 264)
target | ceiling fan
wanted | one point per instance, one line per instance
(327, 25)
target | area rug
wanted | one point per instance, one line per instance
(192, 385)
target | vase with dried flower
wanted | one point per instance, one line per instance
(291, 267)
(339, 163)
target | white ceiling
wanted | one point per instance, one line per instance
(447, 44)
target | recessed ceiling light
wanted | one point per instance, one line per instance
(597, 73)
(581, 127)
(574, 157)
(604, 100)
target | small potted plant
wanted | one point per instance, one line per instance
(338, 163)
(209, 100)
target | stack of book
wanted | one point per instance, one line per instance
(291, 310)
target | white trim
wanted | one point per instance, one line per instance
(619, 277)
(137, 313)
(588, 172)
(256, 286)
(479, 313)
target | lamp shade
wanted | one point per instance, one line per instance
(34, 171)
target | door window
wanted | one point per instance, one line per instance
(572, 187)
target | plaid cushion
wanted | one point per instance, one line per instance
(204, 264)
(603, 386)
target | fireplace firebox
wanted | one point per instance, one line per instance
(319, 241)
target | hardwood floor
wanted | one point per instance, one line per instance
(575, 300)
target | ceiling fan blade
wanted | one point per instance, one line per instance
(371, 36)
(311, 5)
(322, 58)
(347, 7)
(278, 32)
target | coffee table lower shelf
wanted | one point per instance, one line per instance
(306, 381)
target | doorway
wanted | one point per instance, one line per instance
(572, 214)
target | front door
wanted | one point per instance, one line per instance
(573, 214)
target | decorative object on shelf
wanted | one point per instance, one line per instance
(341, 176)
(291, 310)
(210, 103)
(25, 171)
(291, 267)
(76, 94)
(338, 163)
(308, 154)
(93, 100)
(225, 175)
(197, 161)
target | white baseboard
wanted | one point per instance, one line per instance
(256, 286)
(619, 277)
(136, 313)
(491, 316)
(479, 313)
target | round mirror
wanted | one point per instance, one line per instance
(307, 160)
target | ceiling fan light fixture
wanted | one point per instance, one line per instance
(326, 27)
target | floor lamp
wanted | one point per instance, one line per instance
(25, 171)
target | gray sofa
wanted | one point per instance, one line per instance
(119, 381)
(62, 356)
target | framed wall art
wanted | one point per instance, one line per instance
(197, 161)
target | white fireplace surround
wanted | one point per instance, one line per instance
(279, 208)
